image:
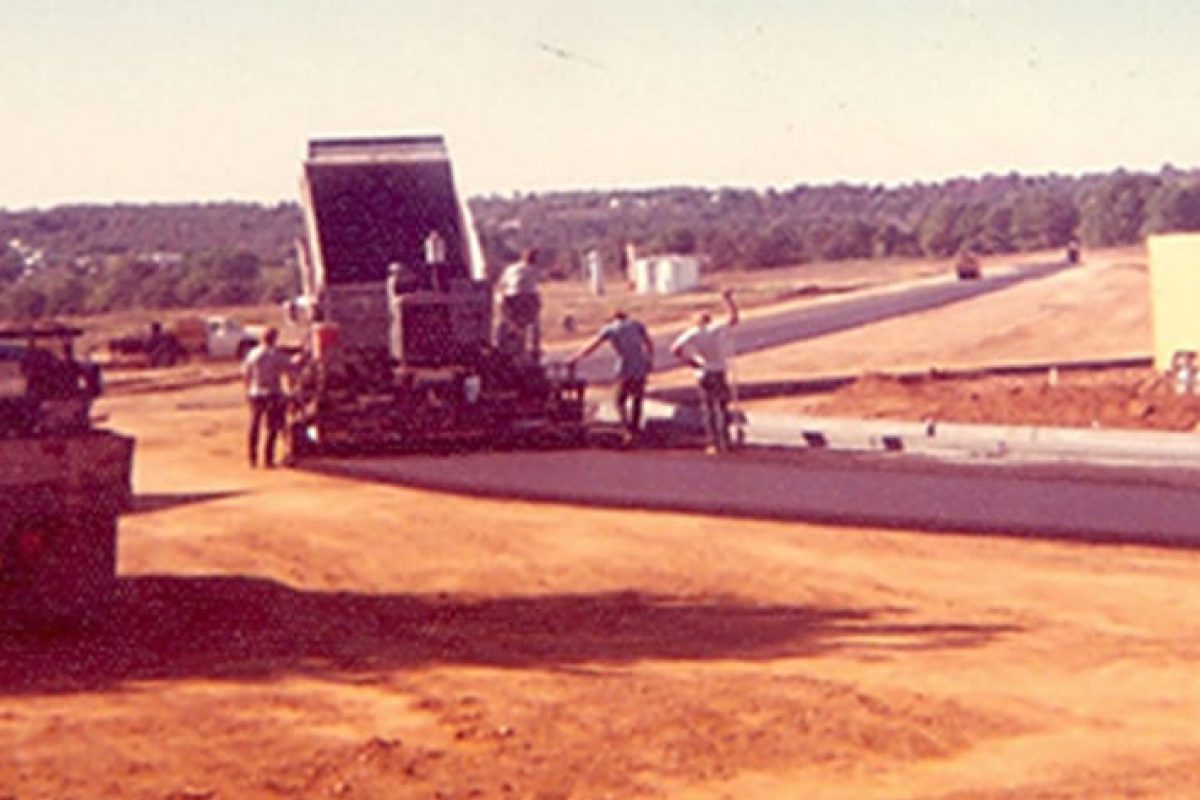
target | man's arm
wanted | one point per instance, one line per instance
(246, 370)
(587, 349)
(731, 306)
(648, 344)
(679, 350)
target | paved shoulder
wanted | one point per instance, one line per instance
(1093, 504)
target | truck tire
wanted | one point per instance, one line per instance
(243, 349)
(166, 353)
(297, 441)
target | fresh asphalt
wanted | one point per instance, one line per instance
(1093, 503)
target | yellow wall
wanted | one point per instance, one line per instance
(1175, 294)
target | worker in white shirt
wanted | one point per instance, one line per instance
(520, 303)
(706, 347)
(263, 372)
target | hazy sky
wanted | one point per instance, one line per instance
(167, 100)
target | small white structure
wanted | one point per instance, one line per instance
(595, 272)
(668, 274)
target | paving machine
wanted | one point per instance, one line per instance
(396, 312)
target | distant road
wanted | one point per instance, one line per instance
(808, 322)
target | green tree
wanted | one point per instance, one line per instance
(941, 233)
(679, 240)
(1114, 212)
(1044, 219)
(892, 239)
(1173, 208)
(66, 294)
(24, 303)
(723, 248)
(778, 246)
(11, 265)
(997, 235)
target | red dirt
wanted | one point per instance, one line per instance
(1105, 399)
(284, 635)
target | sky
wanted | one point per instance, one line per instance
(208, 100)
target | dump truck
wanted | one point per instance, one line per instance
(63, 482)
(398, 336)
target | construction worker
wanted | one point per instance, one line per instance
(635, 358)
(263, 372)
(520, 303)
(1073, 251)
(706, 347)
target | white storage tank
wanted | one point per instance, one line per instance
(667, 274)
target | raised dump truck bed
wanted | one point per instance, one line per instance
(400, 347)
(372, 203)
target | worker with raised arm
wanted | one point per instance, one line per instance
(706, 347)
(635, 358)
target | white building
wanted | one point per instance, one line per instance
(666, 274)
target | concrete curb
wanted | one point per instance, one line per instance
(675, 409)
(940, 440)
(977, 442)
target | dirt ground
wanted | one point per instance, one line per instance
(1119, 398)
(1097, 313)
(286, 635)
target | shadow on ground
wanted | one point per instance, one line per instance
(163, 628)
(145, 503)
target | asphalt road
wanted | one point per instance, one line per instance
(1087, 503)
(797, 324)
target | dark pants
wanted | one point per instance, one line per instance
(714, 403)
(522, 313)
(630, 392)
(273, 409)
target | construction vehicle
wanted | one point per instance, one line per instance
(397, 326)
(63, 482)
(207, 337)
(966, 265)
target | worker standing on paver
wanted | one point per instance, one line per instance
(635, 358)
(520, 303)
(263, 372)
(706, 347)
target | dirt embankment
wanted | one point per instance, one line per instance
(1136, 399)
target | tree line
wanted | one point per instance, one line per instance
(751, 230)
(94, 258)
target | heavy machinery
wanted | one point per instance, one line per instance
(966, 265)
(396, 312)
(207, 337)
(63, 482)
